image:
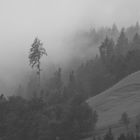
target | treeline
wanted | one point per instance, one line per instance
(93, 37)
(116, 61)
(58, 110)
(119, 55)
(131, 130)
(122, 136)
(36, 119)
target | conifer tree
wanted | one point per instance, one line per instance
(125, 120)
(122, 45)
(107, 49)
(136, 42)
(35, 54)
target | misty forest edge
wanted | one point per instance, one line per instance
(57, 109)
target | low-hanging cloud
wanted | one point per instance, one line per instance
(54, 22)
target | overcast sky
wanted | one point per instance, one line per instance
(52, 20)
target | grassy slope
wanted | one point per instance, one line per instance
(122, 97)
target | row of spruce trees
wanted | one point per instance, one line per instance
(60, 111)
(36, 119)
(110, 136)
(116, 60)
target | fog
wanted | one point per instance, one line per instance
(54, 23)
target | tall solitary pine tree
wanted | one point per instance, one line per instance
(35, 54)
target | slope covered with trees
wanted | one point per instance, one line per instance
(61, 111)
(115, 61)
(37, 119)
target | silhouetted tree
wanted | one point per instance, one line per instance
(132, 30)
(109, 135)
(122, 45)
(36, 52)
(81, 121)
(114, 32)
(135, 45)
(107, 49)
(132, 61)
(122, 137)
(125, 120)
(56, 82)
(71, 88)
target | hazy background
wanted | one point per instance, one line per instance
(54, 22)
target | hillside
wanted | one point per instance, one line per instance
(122, 97)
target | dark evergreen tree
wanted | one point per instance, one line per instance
(114, 32)
(122, 45)
(125, 120)
(122, 137)
(36, 52)
(56, 82)
(132, 61)
(71, 89)
(136, 42)
(107, 49)
(109, 135)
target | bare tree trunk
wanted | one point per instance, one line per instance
(39, 86)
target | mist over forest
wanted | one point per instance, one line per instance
(56, 56)
(82, 46)
(65, 28)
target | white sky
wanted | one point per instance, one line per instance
(51, 20)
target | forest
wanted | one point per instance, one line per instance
(57, 109)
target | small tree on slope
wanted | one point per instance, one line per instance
(125, 120)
